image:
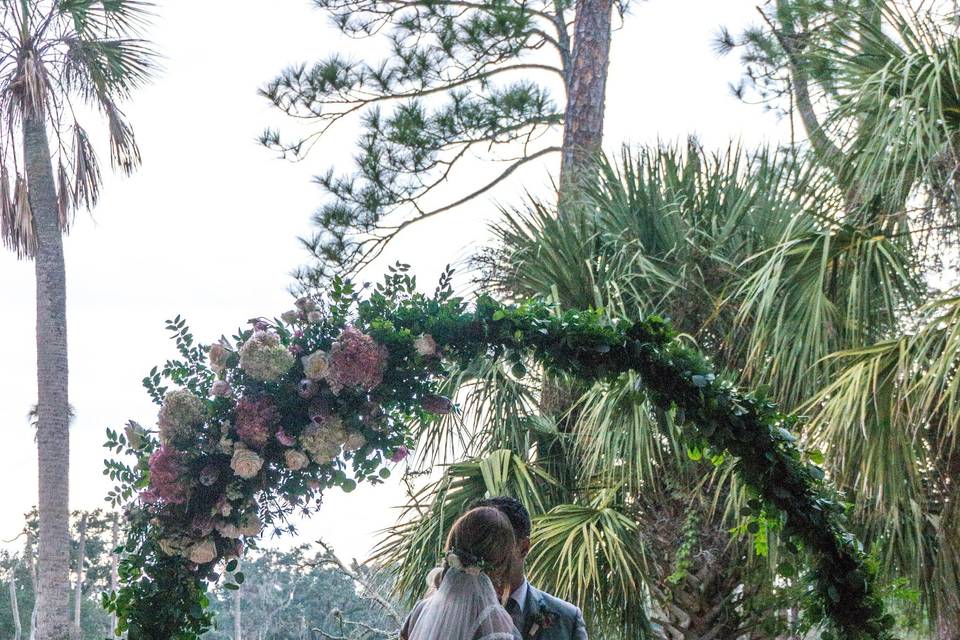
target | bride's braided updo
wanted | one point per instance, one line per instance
(482, 539)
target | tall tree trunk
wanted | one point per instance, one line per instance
(53, 437)
(586, 85)
(78, 590)
(114, 566)
(237, 622)
(14, 609)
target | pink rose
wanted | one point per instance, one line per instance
(221, 389)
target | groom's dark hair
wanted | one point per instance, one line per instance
(514, 510)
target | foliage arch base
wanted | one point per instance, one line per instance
(325, 396)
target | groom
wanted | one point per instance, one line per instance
(538, 615)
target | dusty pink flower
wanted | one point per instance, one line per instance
(356, 360)
(400, 454)
(256, 420)
(168, 480)
(290, 317)
(425, 345)
(285, 438)
(221, 389)
(245, 463)
(263, 357)
(223, 506)
(314, 317)
(437, 405)
(295, 460)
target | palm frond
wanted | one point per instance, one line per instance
(591, 554)
(889, 423)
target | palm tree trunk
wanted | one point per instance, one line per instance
(53, 443)
(14, 609)
(78, 591)
(586, 87)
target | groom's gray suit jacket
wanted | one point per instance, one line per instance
(546, 617)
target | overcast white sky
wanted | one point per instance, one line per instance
(207, 228)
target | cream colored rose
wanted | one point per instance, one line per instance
(295, 459)
(315, 365)
(425, 345)
(290, 317)
(354, 441)
(245, 463)
(314, 317)
(203, 552)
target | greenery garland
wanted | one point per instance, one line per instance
(258, 427)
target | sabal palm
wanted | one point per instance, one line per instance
(890, 422)
(888, 416)
(57, 58)
(672, 231)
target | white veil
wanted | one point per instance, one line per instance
(464, 607)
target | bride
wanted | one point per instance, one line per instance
(472, 585)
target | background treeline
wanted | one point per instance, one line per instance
(305, 593)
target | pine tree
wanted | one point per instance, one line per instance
(461, 79)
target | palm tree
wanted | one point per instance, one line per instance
(57, 56)
(887, 79)
(625, 517)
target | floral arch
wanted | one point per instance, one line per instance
(257, 427)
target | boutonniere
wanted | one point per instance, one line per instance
(542, 620)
